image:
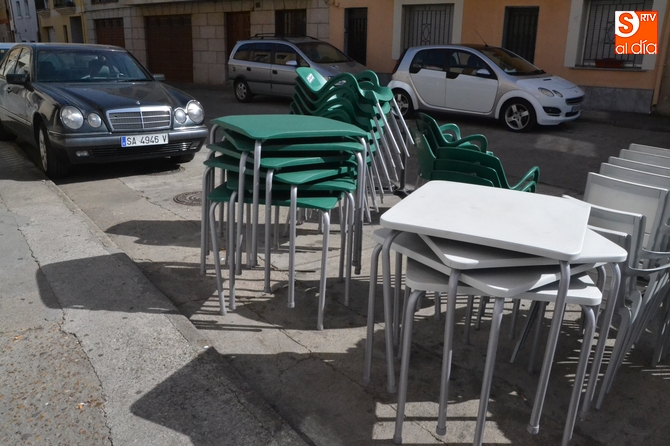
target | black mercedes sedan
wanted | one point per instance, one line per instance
(81, 103)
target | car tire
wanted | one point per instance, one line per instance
(404, 101)
(181, 159)
(242, 91)
(518, 115)
(49, 161)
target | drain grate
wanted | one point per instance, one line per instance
(189, 198)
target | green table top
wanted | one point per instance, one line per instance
(266, 127)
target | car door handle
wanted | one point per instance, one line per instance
(274, 71)
(248, 68)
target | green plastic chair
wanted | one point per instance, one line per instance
(427, 124)
(460, 177)
(457, 171)
(527, 183)
(468, 162)
(341, 99)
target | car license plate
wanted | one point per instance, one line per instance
(144, 140)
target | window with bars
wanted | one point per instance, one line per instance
(291, 22)
(599, 34)
(426, 24)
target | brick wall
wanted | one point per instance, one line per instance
(208, 21)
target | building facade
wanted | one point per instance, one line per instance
(572, 39)
(22, 18)
(189, 41)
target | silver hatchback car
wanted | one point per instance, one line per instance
(483, 80)
(266, 64)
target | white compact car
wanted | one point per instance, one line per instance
(483, 80)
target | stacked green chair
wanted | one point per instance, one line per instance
(449, 135)
(464, 161)
(359, 100)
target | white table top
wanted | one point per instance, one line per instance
(536, 224)
(502, 282)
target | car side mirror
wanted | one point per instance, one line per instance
(18, 78)
(292, 63)
(483, 72)
(159, 77)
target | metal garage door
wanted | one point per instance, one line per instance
(170, 47)
(110, 32)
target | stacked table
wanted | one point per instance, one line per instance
(525, 230)
(249, 138)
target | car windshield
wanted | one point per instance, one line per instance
(322, 52)
(3, 52)
(66, 65)
(510, 63)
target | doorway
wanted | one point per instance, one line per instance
(356, 34)
(238, 27)
(520, 31)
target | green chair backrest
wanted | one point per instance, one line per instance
(460, 177)
(428, 124)
(431, 168)
(488, 160)
(311, 78)
(467, 168)
(439, 144)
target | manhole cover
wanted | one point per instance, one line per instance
(189, 198)
(176, 169)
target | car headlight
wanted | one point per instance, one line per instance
(195, 112)
(94, 120)
(557, 93)
(71, 117)
(180, 115)
(546, 92)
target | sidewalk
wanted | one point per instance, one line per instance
(653, 121)
(92, 352)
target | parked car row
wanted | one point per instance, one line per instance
(80, 103)
(471, 79)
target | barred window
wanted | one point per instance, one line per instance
(599, 34)
(429, 24)
(291, 22)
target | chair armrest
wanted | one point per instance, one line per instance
(451, 130)
(532, 175)
(479, 138)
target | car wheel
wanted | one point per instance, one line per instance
(518, 115)
(404, 102)
(181, 159)
(242, 91)
(49, 162)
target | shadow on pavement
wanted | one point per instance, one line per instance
(101, 284)
(207, 401)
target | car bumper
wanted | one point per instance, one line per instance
(552, 119)
(92, 148)
(556, 110)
